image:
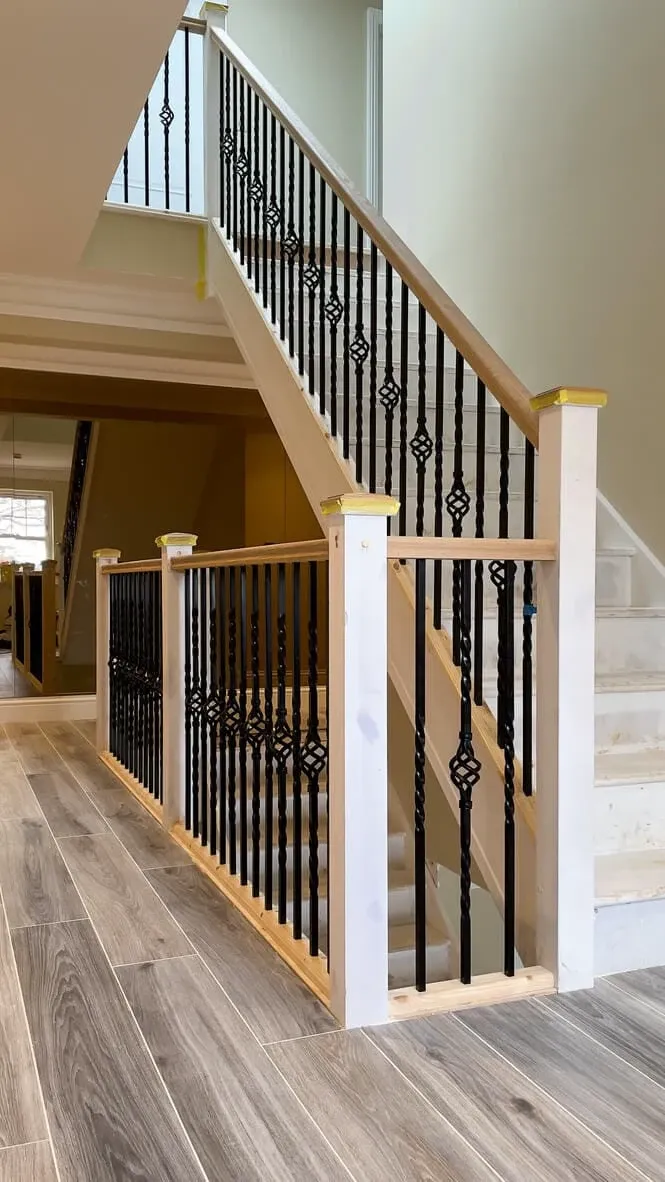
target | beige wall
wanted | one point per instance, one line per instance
(313, 52)
(276, 508)
(527, 170)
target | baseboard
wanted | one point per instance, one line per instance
(629, 936)
(78, 707)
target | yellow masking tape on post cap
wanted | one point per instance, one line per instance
(362, 504)
(106, 553)
(569, 396)
(176, 540)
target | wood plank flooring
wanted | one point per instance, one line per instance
(171, 1043)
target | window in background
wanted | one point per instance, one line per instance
(26, 532)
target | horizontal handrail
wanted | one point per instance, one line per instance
(506, 387)
(195, 24)
(479, 549)
(137, 567)
(288, 552)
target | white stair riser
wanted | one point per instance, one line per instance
(401, 965)
(629, 817)
(629, 643)
(630, 719)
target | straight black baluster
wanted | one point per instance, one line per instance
(314, 760)
(188, 184)
(273, 216)
(322, 299)
(439, 428)
(297, 777)
(127, 730)
(146, 151)
(257, 193)
(110, 671)
(346, 361)
(222, 627)
(256, 736)
(268, 768)
(479, 604)
(282, 743)
(389, 392)
(509, 771)
(264, 201)
(291, 246)
(160, 706)
(420, 865)
(241, 169)
(373, 346)
(248, 190)
(465, 771)
(131, 637)
(232, 721)
(458, 501)
(301, 263)
(166, 116)
(404, 410)
(234, 161)
(282, 234)
(242, 734)
(333, 312)
(141, 668)
(213, 706)
(205, 651)
(125, 173)
(529, 612)
(150, 689)
(360, 352)
(421, 444)
(222, 132)
(196, 711)
(312, 280)
(497, 570)
(188, 700)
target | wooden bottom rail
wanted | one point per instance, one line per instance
(311, 970)
(488, 990)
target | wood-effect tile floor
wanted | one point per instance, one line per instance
(148, 1033)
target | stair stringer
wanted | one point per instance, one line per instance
(324, 473)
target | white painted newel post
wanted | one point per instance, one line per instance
(215, 16)
(102, 558)
(565, 684)
(358, 755)
(173, 675)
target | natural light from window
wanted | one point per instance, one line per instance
(25, 527)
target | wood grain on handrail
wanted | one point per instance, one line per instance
(316, 551)
(195, 24)
(480, 549)
(137, 567)
(513, 396)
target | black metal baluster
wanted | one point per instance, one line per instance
(439, 429)
(529, 611)
(313, 760)
(205, 649)
(268, 764)
(213, 706)
(256, 191)
(125, 173)
(404, 410)
(222, 618)
(497, 572)
(291, 246)
(389, 392)
(234, 158)
(465, 771)
(188, 699)
(301, 263)
(312, 279)
(479, 604)
(229, 146)
(131, 646)
(360, 353)
(166, 116)
(421, 445)
(248, 189)
(420, 865)
(146, 151)
(242, 169)
(188, 183)
(274, 216)
(282, 744)
(222, 129)
(110, 671)
(322, 301)
(296, 741)
(232, 720)
(196, 706)
(242, 728)
(264, 206)
(160, 682)
(373, 344)
(282, 235)
(346, 359)
(142, 675)
(509, 771)
(256, 733)
(458, 501)
(334, 313)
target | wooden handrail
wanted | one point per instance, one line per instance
(480, 549)
(288, 552)
(139, 566)
(195, 24)
(499, 379)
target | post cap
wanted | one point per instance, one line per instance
(106, 553)
(212, 6)
(361, 505)
(176, 540)
(569, 396)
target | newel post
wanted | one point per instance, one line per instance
(173, 675)
(358, 757)
(215, 16)
(103, 558)
(566, 684)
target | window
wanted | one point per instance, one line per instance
(25, 527)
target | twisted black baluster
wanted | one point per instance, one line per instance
(264, 206)
(529, 611)
(498, 577)
(282, 234)
(166, 116)
(256, 192)
(404, 410)
(334, 312)
(480, 532)
(458, 501)
(256, 733)
(242, 724)
(282, 744)
(322, 299)
(438, 472)
(222, 618)
(389, 392)
(360, 352)
(291, 246)
(232, 723)
(313, 760)
(420, 866)
(228, 145)
(346, 312)
(125, 173)
(509, 771)
(188, 699)
(268, 709)
(160, 683)
(196, 704)
(213, 706)
(222, 128)
(242, 170)
(250, 181)
(465, 772)
(188, 185)
(234, 206)
(205, 724)
(274, 216)
(142, 671)
(373, 342)
(312, 279)
(421, 445)
(146, 151)
(301, 262)
(296, 739)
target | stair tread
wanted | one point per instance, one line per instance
(630, 680)
(402, 937)
(630, 877)
(615, 768)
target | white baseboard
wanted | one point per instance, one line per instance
(64, 709)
